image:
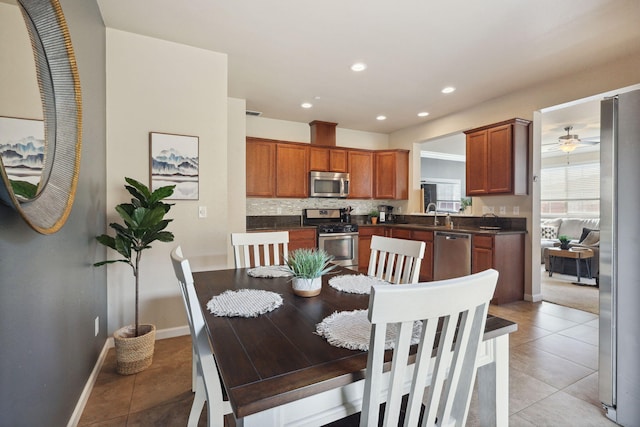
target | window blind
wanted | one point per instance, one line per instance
(571, 190)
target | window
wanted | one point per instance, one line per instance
(448, 193)
(570, 191)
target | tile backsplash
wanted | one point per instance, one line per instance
(261, 206)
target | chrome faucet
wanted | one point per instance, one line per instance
(435, 212)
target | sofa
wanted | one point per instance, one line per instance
(581, 233)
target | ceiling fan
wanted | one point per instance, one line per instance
(569, 142)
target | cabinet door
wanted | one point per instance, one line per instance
(302, 238)
(318, 159)
(364, 245)
(426, 268)
(481, 253)
(261, 167)
(476, 164)
(338, 160)
(500, 160)
(400, 233)
(391, 175)
(292, 175)
(360, 174)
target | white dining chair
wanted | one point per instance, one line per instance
(461, 306)
(208, 387)
(395, 260)
(257, 249)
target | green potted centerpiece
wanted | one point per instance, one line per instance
(307, 267)
(144, 223)
(374, 214)
(564, 242)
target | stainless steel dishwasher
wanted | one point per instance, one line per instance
(452, 255)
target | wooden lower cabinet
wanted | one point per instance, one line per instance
(504, 253)
(302, 238)
(426, 266)
(364, 245)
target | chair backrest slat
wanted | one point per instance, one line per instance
(396, 260)
(460, 305)
(257, 249)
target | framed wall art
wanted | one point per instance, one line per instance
(174, 161)
(22, 149)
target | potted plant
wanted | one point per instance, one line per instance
(465, 203)
(564, 242)
(307, 267)
(374, 214)
(144, 223)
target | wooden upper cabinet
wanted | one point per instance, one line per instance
(327, 159)
(497, 158)
(392, 174)
(360, 174)
(261, 168)
(292, 173)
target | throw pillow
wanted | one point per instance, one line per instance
(592, 239)
(548, 232)
(585, 233)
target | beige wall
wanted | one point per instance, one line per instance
(524, 104)
(153, 85)
(262, 127)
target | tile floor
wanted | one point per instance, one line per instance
(553, 376)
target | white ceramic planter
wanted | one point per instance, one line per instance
(306, 287)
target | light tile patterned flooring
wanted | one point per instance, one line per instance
(553, 376)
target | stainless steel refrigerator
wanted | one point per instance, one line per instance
(619, 362)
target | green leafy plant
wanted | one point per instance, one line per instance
(464, 203)
(374, 213)
(564, 241)
(309, 263)
(144, 223)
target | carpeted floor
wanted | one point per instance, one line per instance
(561, 289)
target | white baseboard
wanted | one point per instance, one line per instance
(88, 387)
(533, 298)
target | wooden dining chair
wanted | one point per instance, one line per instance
(257, 249)
(395, 260)
(460, 305)
(208, 387)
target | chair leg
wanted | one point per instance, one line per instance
(198, 403)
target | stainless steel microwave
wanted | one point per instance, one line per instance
(328, 184)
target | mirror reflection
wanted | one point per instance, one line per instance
(22, 139)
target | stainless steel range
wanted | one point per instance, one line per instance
(337, 238)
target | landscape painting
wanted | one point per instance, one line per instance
(22, 149)
(174, 161)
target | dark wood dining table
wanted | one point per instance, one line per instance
(277, 371)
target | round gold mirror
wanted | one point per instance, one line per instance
(47, 208)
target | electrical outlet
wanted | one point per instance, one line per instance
(279, 210)
(503, 210)
(516, 210)
(202, 211)
(97, 325)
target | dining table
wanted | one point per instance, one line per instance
(277, 370)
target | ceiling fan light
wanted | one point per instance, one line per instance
(568, 147)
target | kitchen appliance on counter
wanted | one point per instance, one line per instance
(337, 238)
(385, 213)
(452, 255)
(619, 345)
(328, 184)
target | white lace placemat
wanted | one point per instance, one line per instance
(269, 271)
(352, 330)
(354, 283)
(244, 303)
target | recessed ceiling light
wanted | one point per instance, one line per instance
(448, 89)
(381, 117)
(359, 66)
(306, 105)
(423, 114)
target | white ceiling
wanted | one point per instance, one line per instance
(284, 52)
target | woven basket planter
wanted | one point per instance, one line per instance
(134, 354)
